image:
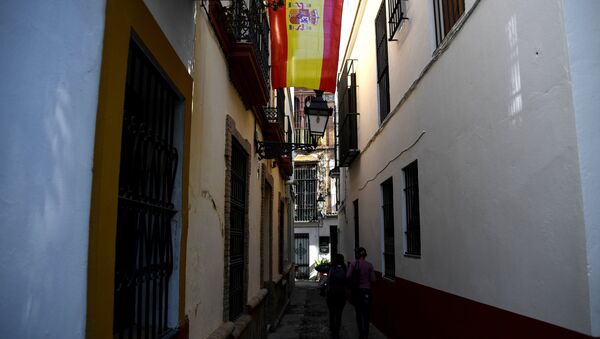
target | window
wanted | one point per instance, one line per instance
(306, 198)
(237, 230)
(413, 224)
(382, 63)
(389, 256)
(397, 9)
(447, 13)
(147, 211)
(356, 228)
(280, 238)
(324, 245)
(348, 136)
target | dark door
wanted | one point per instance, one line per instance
(301, 255)
(333, 233)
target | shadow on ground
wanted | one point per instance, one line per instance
(307, 317)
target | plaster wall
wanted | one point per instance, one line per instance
(492, 125)
(176, 19)
(50, 64)
(214, 99)
(583, 40)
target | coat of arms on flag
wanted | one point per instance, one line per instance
(302, 18)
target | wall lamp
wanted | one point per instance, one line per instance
(318, 113)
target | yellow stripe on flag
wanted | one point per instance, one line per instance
(305, 47)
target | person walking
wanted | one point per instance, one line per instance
(336, 294)
(361, 291)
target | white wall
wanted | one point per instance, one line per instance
(501, 208)
(49, 61)
(176, 19)
(314, 233)
(583, 39)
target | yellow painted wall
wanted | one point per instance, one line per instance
(214, 99)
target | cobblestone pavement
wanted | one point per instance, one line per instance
(307, 317)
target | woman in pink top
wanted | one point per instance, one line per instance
(361, 296)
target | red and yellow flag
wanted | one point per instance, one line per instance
(305, 40)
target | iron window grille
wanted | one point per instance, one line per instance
(447, 13)
(306, 197)
(383, 84)
(280, 238)
(413, 220)
(237, 230)
(356, 225)
(388, 229)
(397, 9)
(147, 177)
(347, 110)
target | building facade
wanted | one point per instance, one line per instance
(468, 175)
(315, 217)
(138, 200)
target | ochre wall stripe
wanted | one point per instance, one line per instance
(123, 16)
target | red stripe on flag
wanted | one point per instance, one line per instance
(332, 25)
(279, 46)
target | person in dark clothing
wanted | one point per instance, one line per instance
(336, 294)
(361, 294)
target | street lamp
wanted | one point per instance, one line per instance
(318, 112)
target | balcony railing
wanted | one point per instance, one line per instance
(348, 133)
(243, 33)
(397, 15)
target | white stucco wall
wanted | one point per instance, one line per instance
(314, 232)
(500, 194)
(176, 19)
(583, 39)
(49, 61)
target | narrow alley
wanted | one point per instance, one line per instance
(306, 317)
(189, 169)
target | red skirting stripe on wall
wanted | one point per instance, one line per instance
(404, 309)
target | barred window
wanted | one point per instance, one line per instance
(413, 220)
(306, 185)
(238, 230)
(382, 63)
(397, 15)
(389, 253)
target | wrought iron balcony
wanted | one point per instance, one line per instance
(278, 143)
(243, 32)
(348, 131)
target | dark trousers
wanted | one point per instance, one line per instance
(336, 306)
(362, 305)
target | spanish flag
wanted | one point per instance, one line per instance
(305, 40)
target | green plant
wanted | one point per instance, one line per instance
(321, 261)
